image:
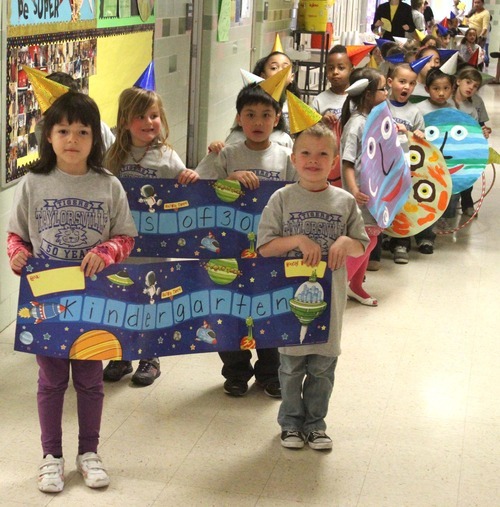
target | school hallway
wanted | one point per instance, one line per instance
(414, 417)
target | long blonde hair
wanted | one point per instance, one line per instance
(133, 102)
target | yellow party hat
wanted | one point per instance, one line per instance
(277, 44)
(275, 84)
(300, 115)
(45, 90)
(372, 64)
(421, 35)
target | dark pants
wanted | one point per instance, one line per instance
(53, 379)
(419, 237)
(466, 198)
(237, 365)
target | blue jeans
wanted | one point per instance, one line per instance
(305, 403)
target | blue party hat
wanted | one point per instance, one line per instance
(441, 30)
(397, 58)
(444, 54)
(452, 15)
(381, 42)
(146, 80)
(418, 65)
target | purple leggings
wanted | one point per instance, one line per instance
(53, 378)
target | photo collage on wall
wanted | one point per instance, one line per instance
(76, 58)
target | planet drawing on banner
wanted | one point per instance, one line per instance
(430, 192)
(26, 338)
(222, 271)
(308, 303)
(228, 190)
(386, 176)
(96, 345)
(462, 143)
(248, 341)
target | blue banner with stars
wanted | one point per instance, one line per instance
(139, 311)
(204, 220)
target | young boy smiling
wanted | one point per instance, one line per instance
(249, 161)
(307, 372)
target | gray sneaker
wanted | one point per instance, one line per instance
(401, 255)
(319, 440)
(292, 439)
(147, 372)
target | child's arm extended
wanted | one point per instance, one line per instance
(350, 179)
(342, 247)
(311, 251)
(113, 251)
(18, 251)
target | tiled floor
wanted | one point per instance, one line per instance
(415, 414)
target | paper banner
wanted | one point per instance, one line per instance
(24, 12)
(204, 220)
(430, 192)
(224, 21)
(462, 144)
(181, 307)
(385, 177)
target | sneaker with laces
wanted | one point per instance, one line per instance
(115, 370)
(235, 387)
(92, 469)
(401, 255)
(319, 440)
(147, 372)
(426, 246)
(292, 439)
(51, 474)
(273, 389)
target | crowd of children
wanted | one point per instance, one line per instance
(72, 158)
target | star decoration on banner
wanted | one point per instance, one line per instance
(46, 336)
(66, 328)
(274, 273)
(219, 321)
(63, 347)
(223, 233)
(284, 336)
(193, 347)
(178, 267)
(323, 328)
(255, 199)
(29, 269)
(252, 280)
(262, 331)
(139, 249)
(163, 244)
(160, 340)
(139, 351)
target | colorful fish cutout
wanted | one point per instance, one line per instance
(462, 143)
(385, 177)
(430, 192)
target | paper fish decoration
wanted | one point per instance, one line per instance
(461, 141)
(385, 177)
(430, 192)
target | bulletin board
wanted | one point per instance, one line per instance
(69, 36)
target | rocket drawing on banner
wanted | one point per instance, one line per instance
(385, 177)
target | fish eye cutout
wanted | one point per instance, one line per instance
(424, 191)
(432, 133)
(386, 127)
(459, 133)
(417, 157)
(371, 148)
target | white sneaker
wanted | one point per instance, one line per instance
(51, 474)
(92, 469)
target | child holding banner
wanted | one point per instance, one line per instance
(331, 225)
(69, 208)
(141, 151)
(249, 161)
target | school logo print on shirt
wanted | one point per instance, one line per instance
(136, 171)
(68, 227)
(321, 227)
